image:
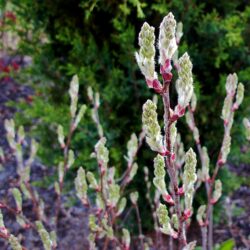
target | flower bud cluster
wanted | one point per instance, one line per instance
(184, 84)
(151, 127)
(167, 41)
(246, 124)
(205, 164)
(126, 238)
(73, 92)
(18, 198)
(189, 179)
(165, 222)
(92, 181)
(146, 55)
(225, 150)
(201, 215)
(113, 195)
(71, 158)
(81, 186)
(102, 154)
(217, 191)
(121, 206)
(134, 197)
(231, 84)
(44, 235)
(190, 246)
(132, 147)
(95, 100)
(14, 243)
(229, 106)
(159, 179)
(93, 225)
(132, 172)
(107, 230)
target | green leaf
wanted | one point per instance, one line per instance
(227, 245)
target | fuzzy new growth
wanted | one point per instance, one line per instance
(45, 236)
(217, 191)
(189, 178)
(14, 243)
(108, 230)
(225, 150)
(92, 181)
(189, 175)
(239, 95)
(79, 115)
(132, 147)
(165, 222)
(81, 185)
(205, 164)
(246, 124)
(201, 215)
(99, 203)
(184, 84)
(146, 55)
(151, 127)
(73, 92)
(114, 194)
(132, 172)
(121, 206)
(92, 223)
(102, 154)
(167, 41)
(60, 135)
(134, 197)
(231, 84)
(126, 238)
(159, 179)
(18, 198)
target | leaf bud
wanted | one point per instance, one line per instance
(81, 186)
(167, 41)
(217, 191)
(134, 197)
(73, 92)
(146, 55)
(151, 127)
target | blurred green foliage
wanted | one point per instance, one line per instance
(97, 40)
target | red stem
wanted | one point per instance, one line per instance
(171, 168)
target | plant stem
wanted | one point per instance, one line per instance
(209, 214)
(171, 168)
(138, 217)
(204, 237)
(34, 200)
(125, 176)
(61, 184)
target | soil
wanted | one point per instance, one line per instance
(72, 227)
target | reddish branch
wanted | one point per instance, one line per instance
(171, 168)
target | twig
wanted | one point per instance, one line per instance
(170, 166)
(61, 184)
(138, 217)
